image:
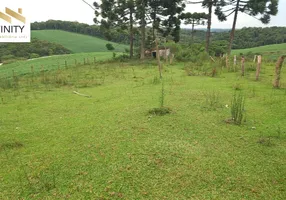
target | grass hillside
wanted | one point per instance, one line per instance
(51, 63)
(77, 43)
(272, 51)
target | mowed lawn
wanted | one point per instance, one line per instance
(77, 43)
(55, 144)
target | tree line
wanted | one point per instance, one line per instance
(36, 48)
(246, 37)
(165, 17)
(254, 37)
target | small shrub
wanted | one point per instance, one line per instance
(6, 83)
(237, 108)
(34, 55)
(156, 80)
(266, 141)
(237, 86)
(109, 47)
(61, 80)
(212, 100)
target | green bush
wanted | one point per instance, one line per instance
(7, 57)
(34, 55)
(109, 47)
(12, 51)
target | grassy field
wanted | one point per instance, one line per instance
(51, 63)
(271, 51)
(55, 144)
(77, 43)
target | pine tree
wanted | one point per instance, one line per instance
(118, 14)
(209, 4)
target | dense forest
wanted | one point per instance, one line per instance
(36, 48)
(254, 37)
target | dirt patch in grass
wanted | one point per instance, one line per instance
(160, 111)
(10, 145)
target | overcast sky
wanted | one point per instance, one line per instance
(76, 10)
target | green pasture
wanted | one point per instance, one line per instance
(86, 132)
(77, 43)
(53, 62)
(269, 51)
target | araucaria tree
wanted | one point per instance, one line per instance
(209, 4)
(141, 15)
(165, 17)
(261, 10)
(194, 19)
(119, 14)
(126, 15)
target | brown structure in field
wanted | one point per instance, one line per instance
(163, 52)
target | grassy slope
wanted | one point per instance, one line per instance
(77, 43)
(50, 63)
(108, 147)
(273, 51)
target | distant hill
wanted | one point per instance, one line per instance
(77, 43)
(250, 37)
(271, 51)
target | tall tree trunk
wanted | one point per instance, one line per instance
(193, 30)
(259, 59)
(233, 27)
(143, 35)
(131, 34)
(242, 66)
(208, 35)
(153, 26)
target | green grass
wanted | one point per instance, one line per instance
(272, 51)
(53, 62)
(55, 144)
(77, 43)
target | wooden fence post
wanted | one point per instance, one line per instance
(227, 62)
(214, 68)
(254, 60)
(242, 66)
(259, 59)
(276, 83)
(234, 63)
(234, 59)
